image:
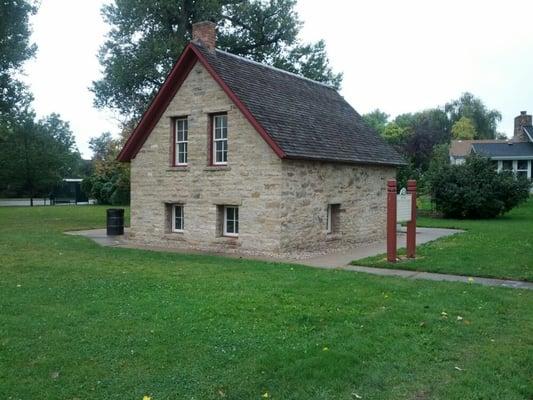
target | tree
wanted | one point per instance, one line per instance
(35, 156)
(15, 48)
(475, 190)
(464, 129)
(147, 37)
(485, 121)
(377, 119)
(422, 132)
(110, 181)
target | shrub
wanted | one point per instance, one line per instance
(475, 190)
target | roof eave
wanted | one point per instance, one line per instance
(345, 161)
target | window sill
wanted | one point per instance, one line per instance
(226, 239)
(217, 168)
(332, 236)
(175, 236)
(180, 168)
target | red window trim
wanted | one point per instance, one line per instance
(211, 139)
(173, 143)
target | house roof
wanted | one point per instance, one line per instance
(299, 118)
(508, 150)
(462, 148)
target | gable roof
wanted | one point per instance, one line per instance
(462, 148)
(299, 118)
(510, 150)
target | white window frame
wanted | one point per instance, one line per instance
(516, 170)
(235, 221)
(328, 219)
(182, 217)
(222, 140)
(183, 141)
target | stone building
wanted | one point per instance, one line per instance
(236, 156)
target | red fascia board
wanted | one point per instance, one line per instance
(166, 94)
(158, 105)
(240, 105)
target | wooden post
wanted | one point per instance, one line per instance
(411, 225)
(391, 220)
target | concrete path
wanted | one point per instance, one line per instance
(100, 237)
(340, 260)
(440, 277)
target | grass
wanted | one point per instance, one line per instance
(81, 321)
(497, 248)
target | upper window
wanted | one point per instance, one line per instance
(178, 220)
(220, 139)
(182, 140)
(231, 221)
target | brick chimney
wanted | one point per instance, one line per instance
(522, 120)
(204, 33)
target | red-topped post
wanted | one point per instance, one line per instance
(411, 225)
(391, 220)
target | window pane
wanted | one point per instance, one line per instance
(522, 164)
(507, 165)
(178, 218)
(236, 226)
(229, 226)
(230, 213)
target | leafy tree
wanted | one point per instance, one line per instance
(464, 129)
(395, 134)
(36, 156)
(147, 37)
(377, 119)
(15, 48)
(423, 131)
(485, 121)
(475, 190)
(110, 181)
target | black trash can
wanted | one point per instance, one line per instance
(115, 221)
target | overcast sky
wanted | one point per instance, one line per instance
(399, 56)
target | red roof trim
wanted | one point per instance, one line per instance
(167, 92)
(280, 153)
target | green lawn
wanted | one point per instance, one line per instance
(498, 248)
(79, 321)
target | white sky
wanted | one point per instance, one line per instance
(399, 56)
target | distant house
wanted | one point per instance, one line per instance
(237, 156)
(514, 155)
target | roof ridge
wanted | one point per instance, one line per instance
(275, 69)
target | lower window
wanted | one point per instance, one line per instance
(231, 221)
(178, 220)
(333, 218)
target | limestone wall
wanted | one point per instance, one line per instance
(251, 180)
(307, 189)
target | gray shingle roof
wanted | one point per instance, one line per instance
(495, 150)
(306, 119)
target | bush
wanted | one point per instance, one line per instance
(475, 190)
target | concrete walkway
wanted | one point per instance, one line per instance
(339, 260)
(441, 277)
